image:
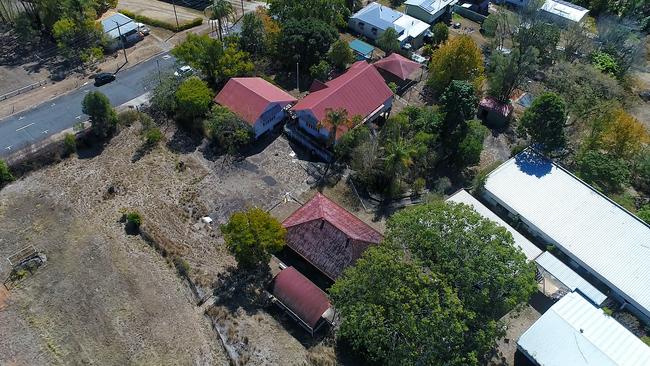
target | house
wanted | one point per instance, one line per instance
(301, 299)
(574, 332)
(429, 11)
(493, 112)
(328, 236)
(374, 19)
(361, 91)
(562, 13)
(120, 27)
(529, 249)
(397, 69)
(261, 104)
(599, 236)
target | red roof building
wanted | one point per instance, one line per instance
(261, 104)
(360, 91)
(397, 66)
(328, 236)
(304, 300)
(494, 112)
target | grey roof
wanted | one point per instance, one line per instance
(529, 249)
(379, 16)
(569, 277)
(111, 23)
(430, 6)
(574, 332)
(565, 9)
(604, 238)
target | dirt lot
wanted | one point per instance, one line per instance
(159, 10)
(105, 297)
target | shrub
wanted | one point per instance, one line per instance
(134, 218)
(605, 63)
(152, 136)
(646, 340)
(608, 311)
(160, 23)
(393, 87)
(418, 185)
(320, 71)
(70, 143)
(128, 117)
(182, 266)
(644, 213)
(603, 171)
(5, 174)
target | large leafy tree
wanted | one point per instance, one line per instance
(544, 122)
(603, 171)
(332, 12)
(458, 59)
(252, 36)
(477, 256)
(440, 33)
(341, 55)
(620, 134)
(388, 41)
(228, 131)
(396, 313)
(306, 41)
(508, 72)
(459, 103)
(193, 99)
(469, 149)
(103, 118)
(542, 36)
(272, 31)
(252, 236)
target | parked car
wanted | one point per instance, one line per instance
(184, 71)
(418, 58)
(104, 78)
(456, 25)
(143, 29)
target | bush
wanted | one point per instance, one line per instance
(128, 117)
(160, 23)
(152, 136)
(70, 143)
(469, 149)
(320, 71)
(393, 87)
(5, 174)
(605, 63)
(182, 266)
(608, 311)
(134, 218)
(603, 171)
(418, 185)
(646, 340)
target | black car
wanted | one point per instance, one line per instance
(104, 78)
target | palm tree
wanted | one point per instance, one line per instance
(335, 118)
(399, 157)
(220, 10)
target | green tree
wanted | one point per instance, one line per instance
(508, 72)
(603, 171)
(227, 130)
(193, 99)
(5, 174)
(233, 63)
(78, 40)
(102, 116)
(221, 10)
(544, 122)
(306, 41)
(335, 119)
(399, 154)
(605, 63)
(459, 103)
(163, 97)
(394, 312)
(252, 36)
(540, 35)
(202, 53)
(332, 12)
(252, 236)
(440, 33)
(489, 272)
(320, 71)
(341, 55)
(470, 147)
(458, 59)
(388, 41)
(644, 213)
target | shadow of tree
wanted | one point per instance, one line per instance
(239, 288)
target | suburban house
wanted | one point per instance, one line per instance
(574, 332)
(375, 18)
(328, 236)
(563, 13)
(119, 28)
(397, 69)
(301, 299)
(429, 11)
(361, 91)
(598, 236)
(261, 104)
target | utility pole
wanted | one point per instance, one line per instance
(126, 60)
(175, 15)
(297, 78)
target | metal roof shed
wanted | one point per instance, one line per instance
(530, 250)
(111, 24)
(602, 237)
(362, 49)
(569, 277)
(574, 332)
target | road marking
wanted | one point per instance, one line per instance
(25, 126)
(53, 104)
(166, 57)
(45, 131)
(78, 117)
(8, 147)
(21, 117)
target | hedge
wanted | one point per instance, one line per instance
(162, 24)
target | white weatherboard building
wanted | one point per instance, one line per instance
(374, 19)
(575, 333)
(428, 10)
(597, 234)
(529, 249)
(562, 12)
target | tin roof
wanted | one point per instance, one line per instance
(249, 97)
(569, 277)
(530, 250)
(361, 47)
(300, 295)
(382, 17)
(111, 23)
(604, 238)
(574, 332)
(565, 10)
(397, 65)
(430, 6)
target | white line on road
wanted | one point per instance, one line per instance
(25, 126)
(78, 117)
(8, 147)
(21, 117)
(45, 131)
(53, 104)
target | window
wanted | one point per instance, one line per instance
(361, 25)
(374, 30)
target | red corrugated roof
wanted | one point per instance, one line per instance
(397, 65)
(322, 208)
(249, 97)
(360, 91)
(492, 104)
(300, 295)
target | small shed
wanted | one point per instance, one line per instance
(303, 300)
(361, 49)
(494, 113)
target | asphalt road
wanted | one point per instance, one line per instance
(63, 112)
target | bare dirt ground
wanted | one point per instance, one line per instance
(517, 322)
(159, 10)
(105, 297)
